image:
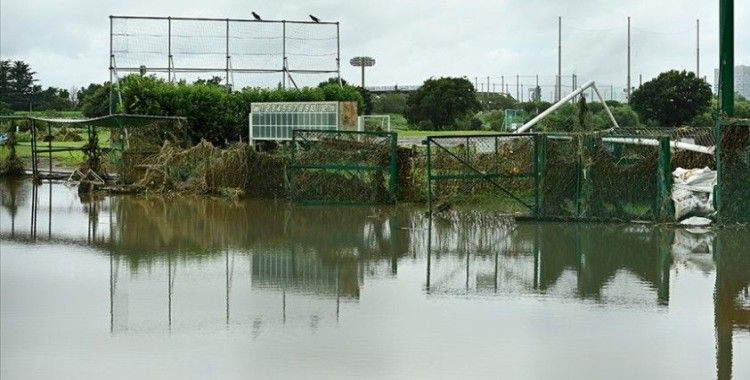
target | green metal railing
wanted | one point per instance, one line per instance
(343, 167)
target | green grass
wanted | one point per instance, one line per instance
(415, 133)
(401, 126)
(51, 114)
(68, 159)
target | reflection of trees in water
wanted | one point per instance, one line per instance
(14, 193)
(536, 256)
(597, 252)
(151, 226)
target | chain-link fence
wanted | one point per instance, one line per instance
(733, 157)
(605, 177)
(115, 146)
(343, 167)
(494, 171)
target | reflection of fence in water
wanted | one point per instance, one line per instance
(231, 289)
(590, 262)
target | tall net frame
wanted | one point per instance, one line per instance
(243, 52)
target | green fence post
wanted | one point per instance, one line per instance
(665, 210)
(719, 170)
(429, 176)
(540, 163)
(292, 164)
(394, 165)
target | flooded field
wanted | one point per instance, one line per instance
(150, 287)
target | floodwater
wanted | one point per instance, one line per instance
(180, 288)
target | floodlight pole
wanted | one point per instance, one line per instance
(362, 62)
(698, 48)
(628, 59)
(363, 74)
(558, 91)
(110, 64)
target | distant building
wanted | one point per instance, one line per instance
(741, 80)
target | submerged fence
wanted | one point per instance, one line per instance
(118, 144)
(498, 171)
(605, 175)
(343, 167)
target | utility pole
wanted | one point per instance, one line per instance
(558, 94)
(518, 89)
(628, 59)
(502, 83)
(698, 48)
(476, 84)
(640, 80)
(488, 85)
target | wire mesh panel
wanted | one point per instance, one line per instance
(495, 171)
(239, 51)
(140, 41)
(621, 182)
(343, 167)
(605, 177)
(560, 176)
(733, 153)
(312, 46)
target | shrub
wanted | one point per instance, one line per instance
(213, 113)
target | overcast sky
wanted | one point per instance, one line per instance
(67, 44)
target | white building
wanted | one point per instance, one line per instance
(741, 80)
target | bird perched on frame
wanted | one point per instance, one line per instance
(257, 16)
(314, 18)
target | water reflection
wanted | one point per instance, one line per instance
(187, 264)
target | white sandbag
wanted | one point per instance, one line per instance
(692, 192)
(696, 221)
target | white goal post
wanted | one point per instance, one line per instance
(369, 123)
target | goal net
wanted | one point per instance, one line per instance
(374, 123)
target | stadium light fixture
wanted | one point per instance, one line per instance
(362, 62)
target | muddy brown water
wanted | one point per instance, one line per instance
(129, 287)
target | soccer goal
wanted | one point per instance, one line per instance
(376, 123)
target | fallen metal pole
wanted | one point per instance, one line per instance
(654, 142)
(553, 108)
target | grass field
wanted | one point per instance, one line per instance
(401, 126)
(68, 159)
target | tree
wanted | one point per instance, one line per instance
(441, 102)
(390, 103)
(215, 80)
(672, 99)
(93, 100)
(365, 108)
